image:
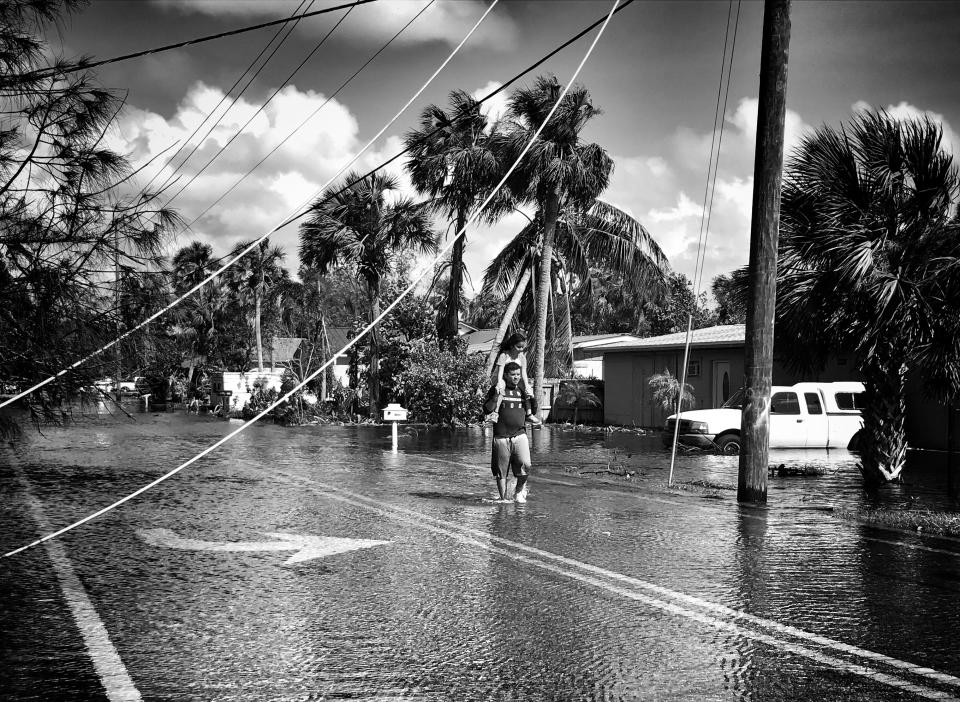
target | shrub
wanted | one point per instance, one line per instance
(441, 386)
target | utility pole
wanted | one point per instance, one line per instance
(764, 235)
(116, 304)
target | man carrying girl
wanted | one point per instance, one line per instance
(511, 448)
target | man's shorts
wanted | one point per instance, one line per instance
(510, 453)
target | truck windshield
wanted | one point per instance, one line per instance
(735, 401)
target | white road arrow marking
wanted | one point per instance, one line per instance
(306, 546)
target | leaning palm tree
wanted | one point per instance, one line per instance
(870, 262)
(360, 227)
(588, 240)
(452, 161)
(559, 170)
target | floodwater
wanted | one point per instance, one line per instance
(599, 588)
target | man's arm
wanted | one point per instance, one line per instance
(490, 403)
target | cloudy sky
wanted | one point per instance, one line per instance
(655, 75)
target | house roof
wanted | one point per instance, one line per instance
(604, 340)
(284, 348)
(481, 340)
(338, 337)
(723, 335)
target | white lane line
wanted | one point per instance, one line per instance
(676, 503)
(482, 540)
(106, 661)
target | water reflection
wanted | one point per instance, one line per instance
(434, 616)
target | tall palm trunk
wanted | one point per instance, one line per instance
(452, 321)
(373, 372)
(508, 315)
(883, 446)
(568, 319)
(551, 209)
(256, 329)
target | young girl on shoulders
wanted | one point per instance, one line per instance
(512, 351)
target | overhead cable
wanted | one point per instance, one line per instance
(266, 102)
(186, 142)
(714, 163)
(256, 241)
(86, 65)
(306, 119)
(427, 269)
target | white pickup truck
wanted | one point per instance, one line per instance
(805, 415)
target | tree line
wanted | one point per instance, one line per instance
(869, 250)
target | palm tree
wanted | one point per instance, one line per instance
(197, 316)
(588, 240)
(576, 394)
(666, 391)
(452, 161)
(559, 170)
(870, 262)
(360, 228)
(258, 276)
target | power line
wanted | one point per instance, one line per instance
(308, 118)
(482, 100)
(363, 332)
(223, 99)
(256, 241)
(292, 219)
(716, 164)
(84, 65)
(265, 103)
(507, 84)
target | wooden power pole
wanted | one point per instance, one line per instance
(764, 234)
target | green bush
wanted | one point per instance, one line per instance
(440, 386)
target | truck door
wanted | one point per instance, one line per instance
(818, 431)
(787, 426)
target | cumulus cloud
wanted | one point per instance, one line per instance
(284, 183)
(377, 22)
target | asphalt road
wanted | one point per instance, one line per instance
(316, 564)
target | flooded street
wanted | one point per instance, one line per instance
(314, 563)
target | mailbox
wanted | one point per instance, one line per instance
(394, 413)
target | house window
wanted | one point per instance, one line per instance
(693, 369)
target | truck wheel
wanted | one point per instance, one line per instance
(729, 444)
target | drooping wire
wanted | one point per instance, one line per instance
(716, 163)
(713, 164)
(313, 114)
(266, 102)
(296, 215)
(87, 65)
(406, 291)
(236, 257)
(186, 142)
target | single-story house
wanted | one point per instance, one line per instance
(284, 352)
(587, 350)
(715, 369)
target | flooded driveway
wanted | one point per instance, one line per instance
(315, 564)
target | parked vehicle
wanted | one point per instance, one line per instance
(805, 415)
